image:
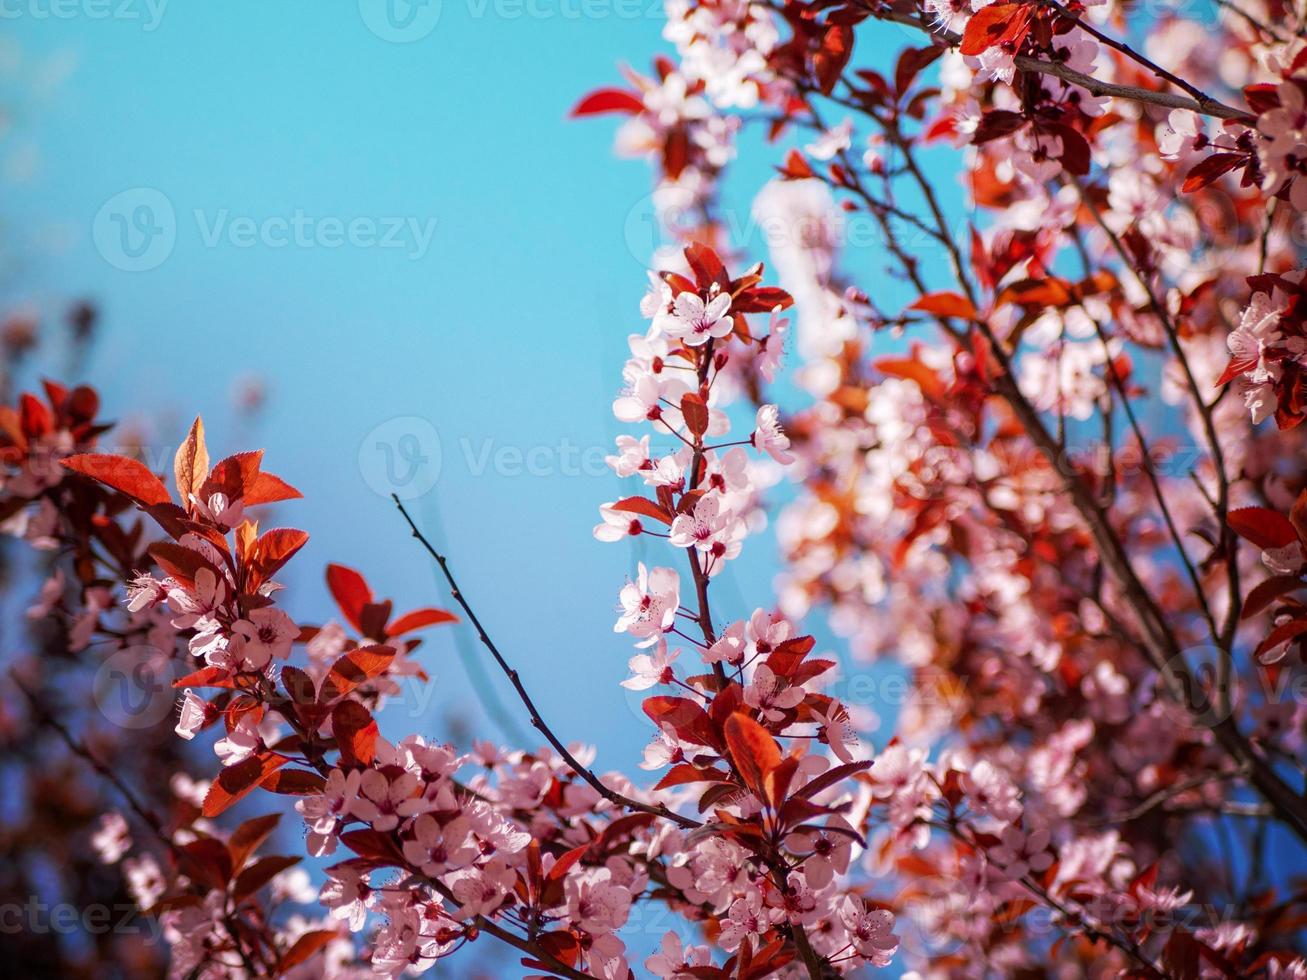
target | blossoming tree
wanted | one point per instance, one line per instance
(1058, 484)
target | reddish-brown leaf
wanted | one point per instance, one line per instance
(190, 466)
(265, 488)
(686, 717)
(830, 60)
(293, 782)
(419, 619)
(645, 507)
(127, 476)
(356, 733)
(246, 838)
(753, 751)
(1263, 527)
(1205, 171)
(260, 873)
(351, 592)
(946, 303)
(695, 411)
(1266, 592)
(237, 780)
(608, 100)
(304, 948)
(352, 669)
(993, 25)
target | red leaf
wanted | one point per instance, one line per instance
(910, 64)
(293, 782)
(1205, 171)
(237, 780)
(246, 838)
(1262, 97)
(208, 861)
(1281, 634)
(911, 369)
(260, 873)
(127, 476)
(206, 677)
(1266, 592)
(351, 592)
(643, 506)
(753, 751)
(354, 668)
(356, 732)
(831, 777)
(36, 418)
(1264, 528)
(181, 563)
(684, 773)
(946, 304)
(706, 266)
(1076, 155)
(762, 299)
(233, 476)
(274, 549)
(608, 100)
(695, 411)
(831, 59)
(190, 466)
(996, 124)
(565, 862)
(268, 489)
(419, 619)
(307, 944)
(993, 25)
(687, 719)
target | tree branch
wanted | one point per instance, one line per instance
(614, 797)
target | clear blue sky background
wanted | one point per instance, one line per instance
(506, 334)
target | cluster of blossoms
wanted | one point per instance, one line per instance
(1036, 483)
(782, 868)
(436, 848)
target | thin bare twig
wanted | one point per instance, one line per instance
(614, 797)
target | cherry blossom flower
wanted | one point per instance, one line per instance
(650, 669)
(112, 839)
(870, 930)
(649, 604)
(697, 322)
(193, 714)
(770, 695)
(673, 960)
(700, 528)
(769, 437)
(617, 524)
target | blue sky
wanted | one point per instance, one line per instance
(412, 246)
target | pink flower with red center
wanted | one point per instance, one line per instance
(696, 322)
